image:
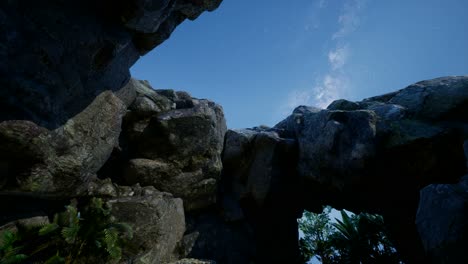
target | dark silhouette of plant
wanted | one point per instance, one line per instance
(362, 239)
(89, 235)
(353, 239)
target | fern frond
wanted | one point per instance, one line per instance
(8, 239)
(19, 258)
(111, 236)
(73, 215)
(70, 234)
(12, 251)
(48, 228)
(98, 205)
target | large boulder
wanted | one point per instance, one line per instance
(335, 147)
(158, 223)
(174, 143)
(256, 161)
(60, 162)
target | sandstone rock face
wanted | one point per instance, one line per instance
(81, 48)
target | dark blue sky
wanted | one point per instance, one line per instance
(261, 58)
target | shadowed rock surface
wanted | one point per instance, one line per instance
(177, 146)
(73, 124)
(81, 48)
(441, 221)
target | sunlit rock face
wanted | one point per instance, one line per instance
(59, 55)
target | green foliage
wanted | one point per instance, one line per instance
(88, 235)
(353, 239)
(9, 252)
(317, 230)
(362, 239)
(56, 259)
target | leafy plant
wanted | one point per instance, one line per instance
(9, 252)
(317, 230)
(352, 239)
(89, 235)
(362, 239)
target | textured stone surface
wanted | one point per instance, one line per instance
(74, 113)
(431, 99)
(395, 143)
(60, 162)
(255, 160)
(215, 239)
(259, 204)
(336, 146)
(33, 221)
(157, 220)
(441, 221)
(176, 147)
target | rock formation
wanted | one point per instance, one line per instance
(59, 55)
(172, 142)
(73, 124)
